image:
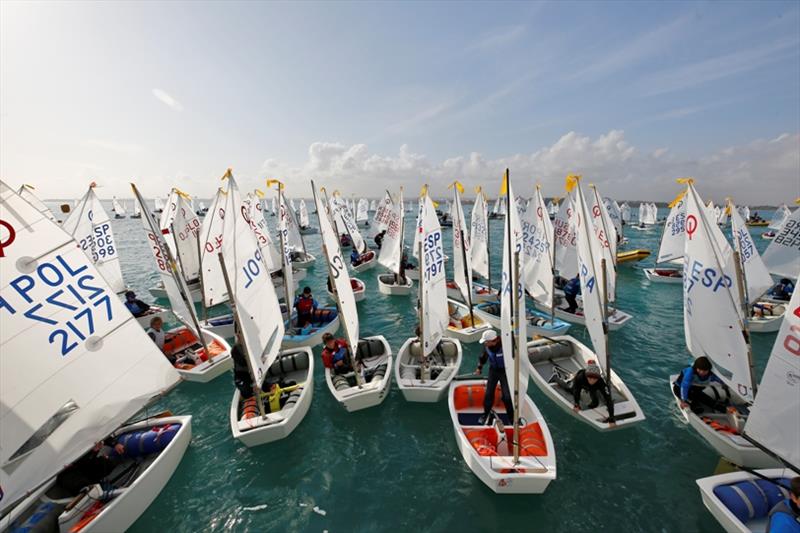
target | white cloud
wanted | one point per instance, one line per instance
(498, 37)
(167, 99)
(763, 171)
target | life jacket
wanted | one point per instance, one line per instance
(573, 287)
(496, 357)
(304, 305)
(784, 507)
(329, 355)
(159, 337)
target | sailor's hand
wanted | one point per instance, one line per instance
(612, 423)
(684, 405)
(119, 448)
(477, 371)
(576, 408)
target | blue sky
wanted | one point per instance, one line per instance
(355, 94)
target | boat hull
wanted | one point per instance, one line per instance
(653, 275)
(369, 394)
(311, 339)
(209, 370)
(387, 285)
(429, 390)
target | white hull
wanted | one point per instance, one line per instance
(275, 426)
(407, 368)
(305, 262)
(209, 370)
(767, 323)
(616, 318)
(557, 328)
(498, 472)
(389, 287)
(466, 334)
(369, 394)
(155, 311)
(540, 367)
(366, 265)
(358, 294)
(480, 293)
(732, 447)
(311, 340)
(412, 273)
(723, 515)
(222, 325)
(655, 277)
(131, 501)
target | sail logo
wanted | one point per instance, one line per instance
(252, 268)
(588, 281)
(49, 290)
(691, 225)
(9, 239)
(707, 277)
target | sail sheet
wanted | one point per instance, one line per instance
(537, 231)
(672, 240)
(383, 212)
(391, 252)
(90, 226)
(612, 208)
(303, 215)
(755, 273)
(782, 256)
(257, 310)
(26, 192)
(773, 421)
(462, 254)
(346, 223)
(293, 239)
(137, 211)
(625, 212)
(435, 316)
(781, 215)
(75, 363)
(605, 237)
(214, 289)
(565, 239)
(711, 316)
(479, 235)
(185, 230)
(346, 303)
(512, 296)
(362, 211)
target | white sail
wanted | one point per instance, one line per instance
(478, 236)
(612, 208)
(383, 213)
(537, 231)
(91, 228)
(137, 211)
(590, 270)
(565, 239)
(496, 209)
(303, 215)
(214, 289)
(435, 316)
(418, 226)
(643, 209)
(773, 420)
(392, 246)
(348, 314)
(159, 204)
(293, 239)
(606, 238)
(119, 209)
(625, 212)
(722, 219)
(373, 205)
(781, 215)
(674, 236)
(362, 211)
(746, 213)
(711, 316)
(782, 256)
(462, 253)
(184, 232)
(651, 216)
(75, 364)
(512, 295)
(346, 224)
(167, 216)
(285, 224)
(257, 310)
(169, 273)
(26, 192)
(258, 225)
(755, 273)
(274, 209)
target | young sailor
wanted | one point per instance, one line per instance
(241, 372)
(305, 305)
(783, 290)
(334, 354)
(691, 382)
(275, 394)
(379, 239)
(571, 290)
(785, 516)
(134, 305)
(493, 352)
(589, 379)
(157, 333)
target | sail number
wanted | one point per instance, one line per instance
(55, 287)
(99, 243)
(434, 255)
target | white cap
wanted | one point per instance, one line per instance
(488, 335)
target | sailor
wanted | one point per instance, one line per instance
(785, 516)
(783, 290)
(241, 373)
(355, 257)
(691, 382)
(571, 290)
(379, 239)
(158, 335)
(588, 379)
(305, 305)
(493, 352)
(334, 354)
(275, 394)
(135, 306)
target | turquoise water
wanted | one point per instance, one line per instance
(396, 467)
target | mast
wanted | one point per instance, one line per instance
(331, 278)
(200, 277)
(514, 340)
(241, 338)
(284, 211)
(605, 328)
(424, 361)
(489, 252)
(552, 259)
(467, 273)
(742, 288)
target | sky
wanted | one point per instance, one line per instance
(367, 96)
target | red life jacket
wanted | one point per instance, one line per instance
(327, 354)
(304, 305)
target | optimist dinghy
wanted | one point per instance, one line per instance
(323, 320)
(464, 325)
(538, 323)
(396, 283)
(664, 275)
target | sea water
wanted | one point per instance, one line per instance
(396, 467)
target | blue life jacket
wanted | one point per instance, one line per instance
(573, 287)
(354, 256)
(134, 308)
(496, 358)
(340, 355)
(783, 519)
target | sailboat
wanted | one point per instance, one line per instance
(260, 330)
(515, 455)
(73, 380)
(762, 316)
(479, 241)
(428, 362)
(367, 383)
(303, 223)
(118, 208)
(741, 501)
(200, 355)
(538, 275)
(362, 213)
(714, 327)
(348, 230)
(564, 355)
(300, 256)
(391, 254)
(323, 320)
(137, 211)
(27, 194)
(671, 248)
(159, 205)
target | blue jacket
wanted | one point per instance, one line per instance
(690, 379)
(354, 255)
(340, 355)
(783, 518)
(573, 287)
(495, 358)
(781, 291)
